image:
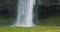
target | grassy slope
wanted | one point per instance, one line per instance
(31, 29)
(6, 21)
(50, 21)
(55, 21)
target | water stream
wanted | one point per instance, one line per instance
(25, 13)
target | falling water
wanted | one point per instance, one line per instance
(25, 13)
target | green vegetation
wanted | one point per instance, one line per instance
(55, 21)
(31, 29)
(52, 21)
(6, 21)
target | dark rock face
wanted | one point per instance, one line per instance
(4, 13)
(45, 12)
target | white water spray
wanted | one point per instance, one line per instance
(25, 13)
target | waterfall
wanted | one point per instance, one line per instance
(25, 13)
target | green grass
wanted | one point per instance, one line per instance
(6, 21)
(52, 21)
(49, 25)
(55, 21)
(31, 29)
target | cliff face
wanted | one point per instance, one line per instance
(11, 5)
(48, 8)
(8, 5)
